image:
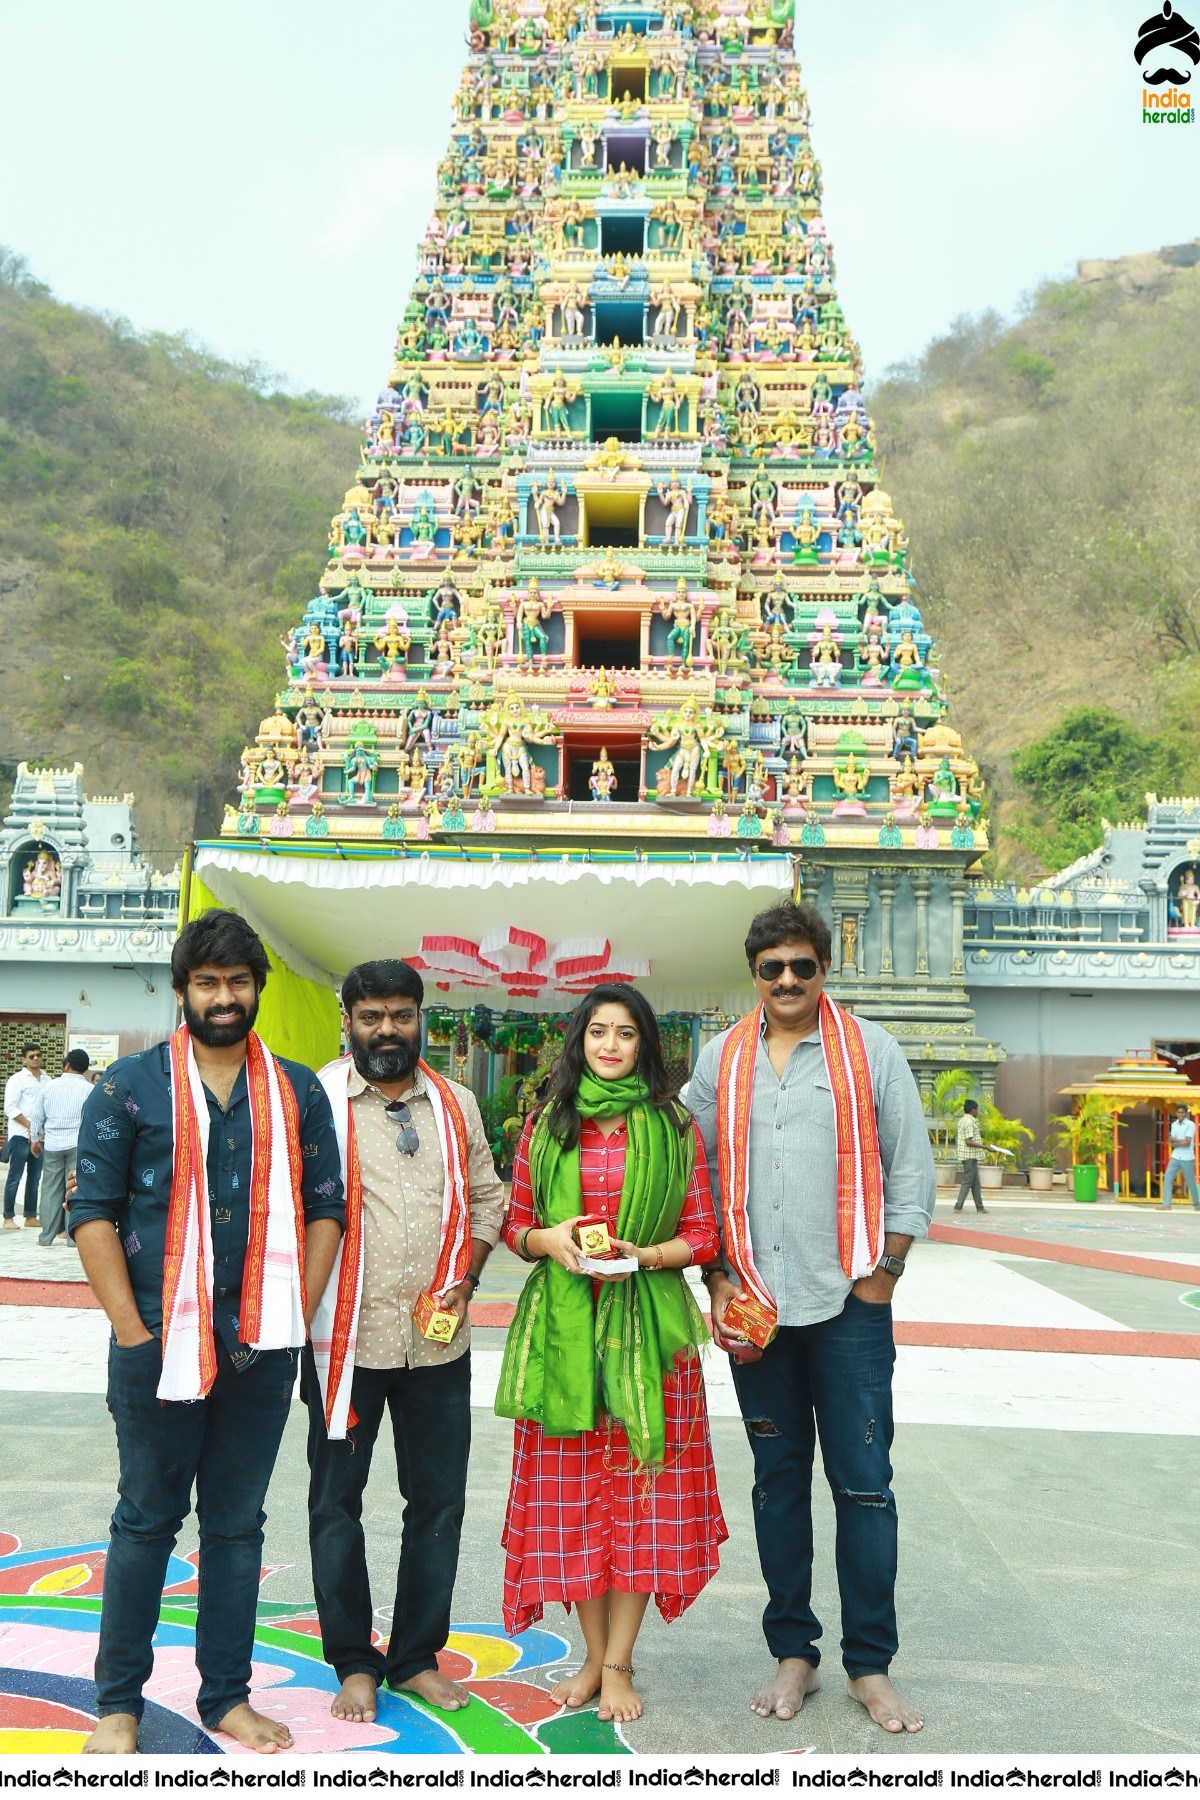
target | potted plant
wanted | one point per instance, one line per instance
(1087, 1134)
(1003, 1138)
(1041, 1169)
(950, 1088)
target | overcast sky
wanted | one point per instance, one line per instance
(258, 174)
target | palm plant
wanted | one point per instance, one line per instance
(1086, 1133)
(1001, 1133)
(950, 1088)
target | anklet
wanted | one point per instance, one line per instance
(621, 1668)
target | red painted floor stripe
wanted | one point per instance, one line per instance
(16, 1291)
(1177, 1345)
(498, 1315)
(1155, 1268)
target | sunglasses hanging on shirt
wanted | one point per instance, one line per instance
(407, 1140)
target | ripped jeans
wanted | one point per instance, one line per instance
(832, 1380)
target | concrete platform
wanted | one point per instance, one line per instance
(1048, 1584)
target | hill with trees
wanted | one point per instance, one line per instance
(1045, 472)
(163, 518)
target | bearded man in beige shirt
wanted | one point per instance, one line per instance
(425, 1213)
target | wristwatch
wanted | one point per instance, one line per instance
(474, 1279)
(891, 1265)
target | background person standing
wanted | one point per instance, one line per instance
(54, 1118)
(20, 1091)
(970, 1148)
(1182, 1160)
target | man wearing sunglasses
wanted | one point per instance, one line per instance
(423, 1211)
(816, 1133)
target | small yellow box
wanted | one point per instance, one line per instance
(437, 1323)
(593, 1238)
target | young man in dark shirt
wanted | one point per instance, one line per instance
(208, 1213)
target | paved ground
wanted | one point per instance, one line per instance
(1049, 1578)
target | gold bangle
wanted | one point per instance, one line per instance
(659, 1263)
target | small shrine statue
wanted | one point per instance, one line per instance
(825, 660)
(671, 403)
(574, 316)
(684, 729)
(849, 941)
(724, 641)
(683, 615)
(677, 500)
(795, 787)
(394, 641)
(358, 775)
(1187, 896)
(418, 725)
(793, 734)
(547, 501)
(850, 778)
(531, 611)
(603, 779)
(42, 876)
(556, 409)
(943, 788)
(904, 736)
(346, 665)
(514, 726)
(447, 603)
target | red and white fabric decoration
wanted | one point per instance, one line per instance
(522, 963)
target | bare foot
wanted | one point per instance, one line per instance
(792, 1685)
(446, 1695)
(619, 1699)
(355, 1699)
(577, 1690)
(254, 1730)
(885, 1705)
(115, 1735)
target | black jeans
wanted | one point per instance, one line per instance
(19, 1159)
(227, 1445)
(431, 1430)
(833, 1380)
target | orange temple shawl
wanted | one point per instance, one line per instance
(859, 1169)
(335, 1323)
(272, 1303)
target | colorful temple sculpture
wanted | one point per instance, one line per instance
(616, 595)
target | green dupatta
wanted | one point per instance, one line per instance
(565, 1360)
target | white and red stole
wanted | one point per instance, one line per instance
(859, 1169)
(335, 1323)
(272, 1303)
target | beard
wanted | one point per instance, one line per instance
(219, 1037)
(385, 1059)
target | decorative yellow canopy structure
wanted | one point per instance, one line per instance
(1138, 1078)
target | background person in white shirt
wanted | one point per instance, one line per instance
(54, 1117)
(1182, 1160)
(20, 1091)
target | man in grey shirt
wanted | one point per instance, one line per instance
(829, 1369)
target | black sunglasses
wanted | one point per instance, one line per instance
(406, 1139)
(802, 967)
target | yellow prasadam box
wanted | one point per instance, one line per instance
(592, 1236)
(437, 1323)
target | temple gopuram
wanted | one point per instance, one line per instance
(618, 635)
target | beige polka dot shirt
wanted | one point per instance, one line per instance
(402, 1221)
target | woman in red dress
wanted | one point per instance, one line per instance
(614, 1495)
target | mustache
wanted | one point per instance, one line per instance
(1165, 78)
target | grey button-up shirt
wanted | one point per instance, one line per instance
(793, 1165)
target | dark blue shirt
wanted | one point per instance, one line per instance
(125, 1163)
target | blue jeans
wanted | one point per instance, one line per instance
(1185, 1166)
(431, 1432)
(20, 1162)
(832, 1380)
(225, 1444)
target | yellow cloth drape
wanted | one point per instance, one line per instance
(296, 1017)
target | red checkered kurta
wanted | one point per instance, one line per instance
(581, 1519)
